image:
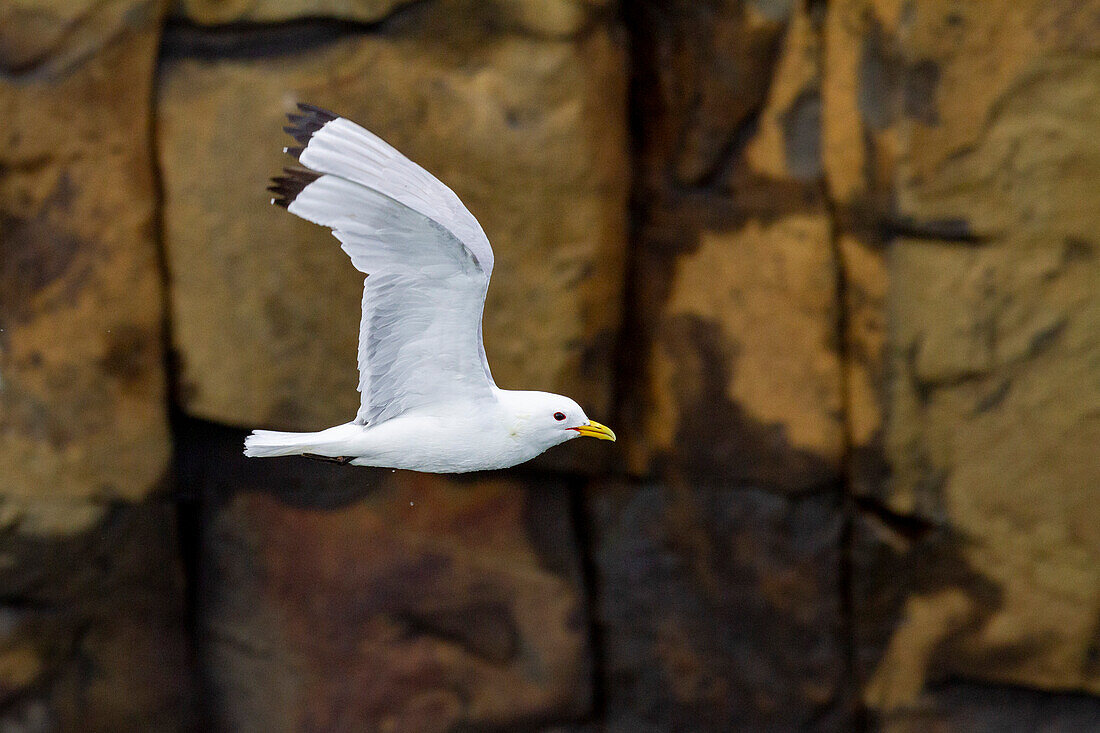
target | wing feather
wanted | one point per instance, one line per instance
(427, 258)
(340, 147)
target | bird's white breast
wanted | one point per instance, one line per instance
(455, 439)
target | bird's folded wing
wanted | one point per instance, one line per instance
(428, 259)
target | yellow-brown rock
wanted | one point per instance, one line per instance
(987, 525)
(530, 134)
(50, 38)
(993, 148)
(214, 12)
(91, 621)
(736, 301)
(866, 77)
(745, 374)
(552, 18)
(82, 413)
(787, 141)
(865, 294)
(992, 431)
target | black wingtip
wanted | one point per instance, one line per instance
(287, 187)
(303, 126)
(315, 110)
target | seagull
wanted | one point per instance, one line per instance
(428, 400)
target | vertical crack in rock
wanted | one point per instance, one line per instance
(187, 501)
(579, 513)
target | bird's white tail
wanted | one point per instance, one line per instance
(271, 443)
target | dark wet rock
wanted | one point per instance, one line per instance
(92, 632)
(719, 609)
(416, 603)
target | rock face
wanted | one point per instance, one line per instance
(211, 12)
(91, 607)
(979, 557)
(974, 708)
(382, 601)
(863, 106)
(736, 304)
(91, 625)
(828, 268)
(866, 85)
(709, 578)
(548, 18)
(82, 413)
(714, 612)
(529, 132)
(735, 368)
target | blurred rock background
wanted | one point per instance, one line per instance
(829, 268)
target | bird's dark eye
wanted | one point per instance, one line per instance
(559, 416)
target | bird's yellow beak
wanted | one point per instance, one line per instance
(594, 430)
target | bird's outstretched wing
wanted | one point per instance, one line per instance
(427, 258)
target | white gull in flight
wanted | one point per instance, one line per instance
(428, 400)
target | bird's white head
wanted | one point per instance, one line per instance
(546, 419)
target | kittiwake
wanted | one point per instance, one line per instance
(428, 400)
